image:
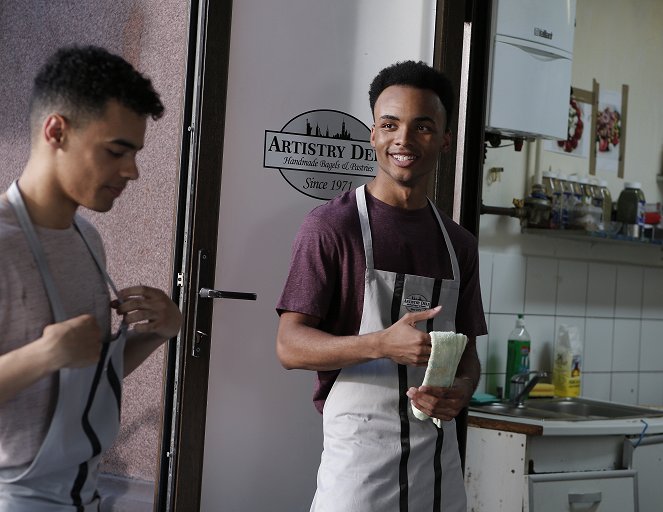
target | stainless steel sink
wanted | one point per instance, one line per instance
(568, 409)
(507, 409)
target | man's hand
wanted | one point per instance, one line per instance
(149, 310)
(74, 343)
(442, 403)
(404, 344)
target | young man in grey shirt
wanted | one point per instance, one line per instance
(61, 368)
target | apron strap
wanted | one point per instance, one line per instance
(450, 248)
(98, 261)
(16, 200)
(365, 225)
(102, 270)
(360, 193)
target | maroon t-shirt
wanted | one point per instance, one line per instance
(326, 278)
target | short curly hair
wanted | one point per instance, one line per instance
(79, 82)
(413, 74)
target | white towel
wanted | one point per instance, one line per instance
(447, 349)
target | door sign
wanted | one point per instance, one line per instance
(322, 153)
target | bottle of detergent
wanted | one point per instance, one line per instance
(567, 366)
(517, 359)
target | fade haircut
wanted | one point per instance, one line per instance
(77, 82)
(413, 74)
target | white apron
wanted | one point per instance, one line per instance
(377, 456)
(86, 419)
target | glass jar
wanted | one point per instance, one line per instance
(567, 201)
(607, 202)
(587, 191)
(631, 209)
(553, 189)
(576, 186)
(573, 200)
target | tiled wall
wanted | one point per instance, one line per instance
(617, 308)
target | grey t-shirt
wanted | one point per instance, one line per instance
(326, 278)
(25, 311)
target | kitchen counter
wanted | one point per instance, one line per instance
(528, 426)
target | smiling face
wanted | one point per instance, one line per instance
(408, 135)
(96, 160)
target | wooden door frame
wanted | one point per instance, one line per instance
(186, 376)
(186, 380)
(456, 189)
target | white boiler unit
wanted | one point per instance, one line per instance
(530, 68)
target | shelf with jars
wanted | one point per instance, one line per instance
(576, 209)
(595, 236)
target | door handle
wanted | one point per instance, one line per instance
(208, 293)
(203, 309)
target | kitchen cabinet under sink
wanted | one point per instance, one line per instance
(515, 464)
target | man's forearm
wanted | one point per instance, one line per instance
(23, 367)
(469, 366)
(305, 347)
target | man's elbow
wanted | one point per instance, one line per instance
(284, 354)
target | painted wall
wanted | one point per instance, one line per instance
(138, 232)
(610, 291)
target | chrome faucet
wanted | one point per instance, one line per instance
(521, 384)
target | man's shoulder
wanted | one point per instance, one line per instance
(339, 206)
(10, 231)
(335, 214)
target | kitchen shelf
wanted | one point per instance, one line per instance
(593, 237)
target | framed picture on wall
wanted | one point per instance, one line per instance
(610, 132)
(579, 138)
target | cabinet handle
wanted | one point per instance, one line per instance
(585, 497)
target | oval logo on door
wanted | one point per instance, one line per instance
(322, 153)
(416, 303)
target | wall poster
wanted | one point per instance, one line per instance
(610, 136)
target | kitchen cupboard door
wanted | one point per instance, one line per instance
(595, 491)
(645, 455)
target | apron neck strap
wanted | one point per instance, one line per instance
(360, 193)
(16, 201)
(98, 261)
(450, 248)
